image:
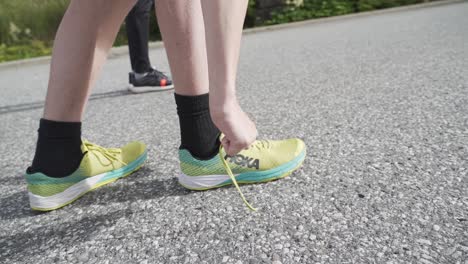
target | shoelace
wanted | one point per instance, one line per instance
(233, 178)
(108, 153)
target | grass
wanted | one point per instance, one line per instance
(27, 27)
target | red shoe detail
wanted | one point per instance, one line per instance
(163, 82)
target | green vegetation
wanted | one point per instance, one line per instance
(320, 8)
(27, 27)
(33, 49)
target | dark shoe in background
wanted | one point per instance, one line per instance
(150, 81)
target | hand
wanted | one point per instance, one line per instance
(238, 129)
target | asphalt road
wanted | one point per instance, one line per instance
(381, 102)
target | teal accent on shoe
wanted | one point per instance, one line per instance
(42, 179)
(125, 169)
(259, 176)
(186, 157)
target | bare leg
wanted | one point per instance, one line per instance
(183, 32)
(184, 25)
(83, 41)
(223, 29)
(223, 26)
(85, 36)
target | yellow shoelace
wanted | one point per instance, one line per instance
(233, 178)
(108, 153)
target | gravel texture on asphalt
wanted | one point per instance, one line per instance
(381, 102)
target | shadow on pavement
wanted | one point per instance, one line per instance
(40, 240)
(14, 180)
(15, 206)
(40, 104)
(134, 188)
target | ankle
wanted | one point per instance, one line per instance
(199, 135)
(58, 150)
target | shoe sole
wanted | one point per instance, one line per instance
(73, 193)
(148, 89)
(208, 182)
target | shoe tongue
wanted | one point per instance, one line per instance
(84, 149)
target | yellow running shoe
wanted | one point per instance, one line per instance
(263, 161)
(98, 167)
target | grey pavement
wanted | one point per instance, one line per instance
(381, 102)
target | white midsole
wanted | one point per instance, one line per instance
(145, 89)
(71, 193)
(202, 182)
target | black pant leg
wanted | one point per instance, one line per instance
(137, 25)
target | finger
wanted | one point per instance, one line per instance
(231, 151)
(225, 141)
(236, 148)
(226, 144)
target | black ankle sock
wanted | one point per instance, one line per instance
(58, 150)
(198, 133)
